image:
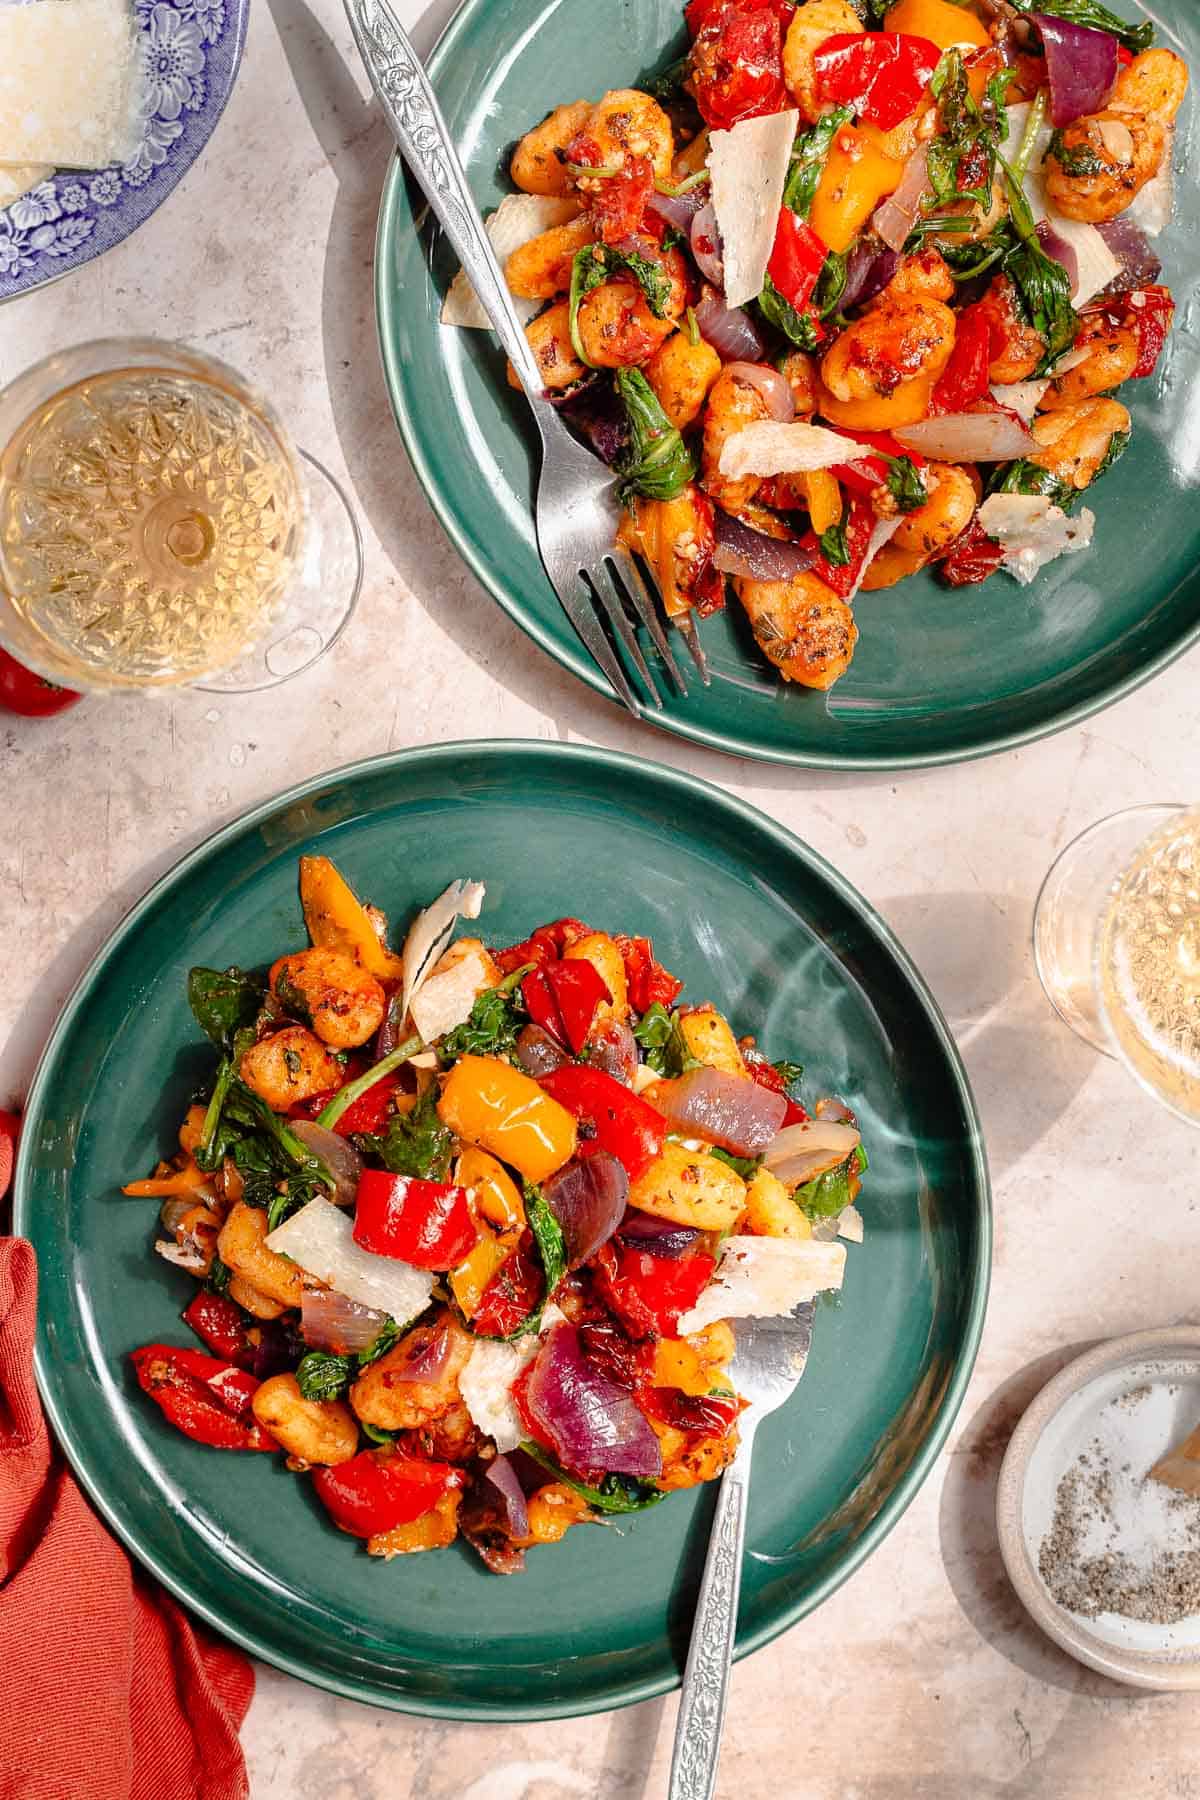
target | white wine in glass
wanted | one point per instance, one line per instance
(1117, 944)
(155, 523)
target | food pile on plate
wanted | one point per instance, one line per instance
(470, 1224)
(850, 293)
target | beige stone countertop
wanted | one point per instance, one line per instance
(921, 1678)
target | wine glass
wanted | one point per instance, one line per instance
(1116, 940)
(158, 528)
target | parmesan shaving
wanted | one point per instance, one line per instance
(1096, 263)
(486, 1380)
(1022, 397)
(767, 448)
(446, 999)
(764, 1278)
(70, 83)
(430, 933)
(1152, 209)
(517, 219)
(320, 1240)
(1033, 532)
(748, 166)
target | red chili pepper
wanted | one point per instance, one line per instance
(737, 65)
(512, 1293)
(10, 1131)
(545, 945)
(610, 1116)
(649, 1294)
(843, 577)
(562, 997)
(205, 1398)
(22, 691)
(648, 982)
(972, 557)
(221, 1325)
(377, 1490)
(881, 74)
(768, 1076)
(796, 259)
(964, 380)
(426, 1223)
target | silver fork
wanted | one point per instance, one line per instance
(768, 1361)
(577, 507)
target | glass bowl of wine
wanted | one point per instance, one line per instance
(159, 529)
(1116, 940)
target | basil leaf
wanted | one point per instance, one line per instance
(375, 1434)
(323, 1376)
(657, 463)
(491, 1030)
(799, 328)
(661, 1036)
(616, 1493)
(809, 154)
(827, 1194)
(834, 547)
(1083, 160)
(595, 263)
(905, 483)
(792, 1072)
(219, 1274)
(415, 1143)
(547, 1233)
(745, 1166)
(1025, 477)
(388, 1333)
(224, 1001)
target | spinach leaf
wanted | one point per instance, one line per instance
(291, 997)
(1043, 286)
(388, 1334)
(1118, 443)
(834, 547)
(323, 1376)
(798, 328)
(296, 1192)
(657, 463)
(547, 1233)
(224, 1002)
(1080, 161)
(961, 160)
(661, 1037)
(375, 1434)
(793, 1072)
(745, 1166)
(595, 263)
(496, 1018)
(905, 484)
(827, 1194)
(218, 1275)
(1096, 17)
(809, 154)
(616, 1493)
(1025, 477)
(415, 1143)
(831, 284)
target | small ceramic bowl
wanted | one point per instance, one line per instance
(1137, 1396)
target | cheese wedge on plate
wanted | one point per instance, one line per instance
(749, 166)
(70, 83)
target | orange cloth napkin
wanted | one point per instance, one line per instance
(108, 1691)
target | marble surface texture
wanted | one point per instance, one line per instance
(921, 1677)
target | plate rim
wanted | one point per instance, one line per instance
(573, 659)
(979, 1280)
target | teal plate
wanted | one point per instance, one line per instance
(749, 917)
(939, 675)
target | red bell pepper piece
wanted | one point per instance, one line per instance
(512, 1293)
(205, 1398)
(426, 1223)
(972, 557)
(562, 998)
(545, 945)
(706, 1414)
(377, 1490)
(610, 1116)
(649, 1294)
(737, 64)
(699, 13)
(881, 74)
(768, 1076)
(843, 577)
(964, 380)
(648, 982)
(865, 474)
(797, 259)
(220, 1323)
(23, 691)
(1150, 311)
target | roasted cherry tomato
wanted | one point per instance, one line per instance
(220, 1323)
(768, 1076)
(972, 557)
(546, 944)
(21, 691)
(649, 1294)
(377, 1490)
(881, 74)
(426, 1223)
(737, 65)
(512, 1293)
(648, 982)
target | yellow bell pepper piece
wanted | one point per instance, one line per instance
(489, 1103)
(492, 1250)
(942, 23)
(905, 406)
(824, 494)
(338, 920)
(856, 177)
(497, 1197)
(677, 1365)
(160, 1187)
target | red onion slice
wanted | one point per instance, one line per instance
(537, 1051)
(1060, 250)
(679, 209)
(340, 1158)
(587, 1197)
(611, 1046)
(390, 1034)
(894, 220)
(868, 271)
(1140, 266)
(706, 244)
(590, 1422)
(726, 1109)
(661, 1237)
(801, 1152)
(329, 1321)
(1081, 64)
(503, 1478)
(968, 437)
(744, 551)
(278, 1351)
(426, 1353)
(774, 389)
(731, 332)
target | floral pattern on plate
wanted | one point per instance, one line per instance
(191, 51)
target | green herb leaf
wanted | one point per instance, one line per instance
(291, 997)
(218, 1275)
(388, 1334)
(1042, 285)
(905, 483)
(1118, 443)
(1083, 160)
(792, 1072)
(745, 1166)
(415, 1143)
(809, 154)
(224, 1002)
(669, 85)
(657, 462)
(1025, 477)
(616, 1493)
(827, 1194)
(831, 284)
(961, 160)
(595, 263)
(547, 1233)
(375, 1434)
(496, 1018)
(1096, 17)
(834, 547)
(323, 1376)
(798, 328)
(661, 1037)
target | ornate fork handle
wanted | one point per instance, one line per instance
(710, 1656)
(403, 90)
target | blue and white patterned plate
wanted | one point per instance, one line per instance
(192, 50)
